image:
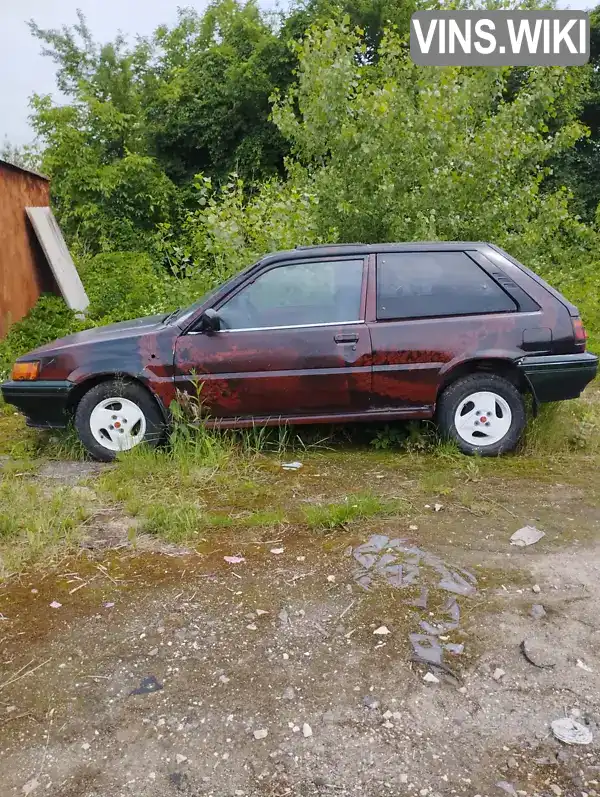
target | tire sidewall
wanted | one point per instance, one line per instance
(466, 386)
(155, 424)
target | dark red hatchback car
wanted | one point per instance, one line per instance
(456, 331)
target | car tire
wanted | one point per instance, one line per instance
(491, 429)
(116, 416)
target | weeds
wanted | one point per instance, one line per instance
(33, 525)
(355, 507)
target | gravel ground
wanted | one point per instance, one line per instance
(296, 670)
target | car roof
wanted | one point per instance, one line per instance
(331, 250)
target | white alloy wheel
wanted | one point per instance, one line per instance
(117, 424)
(483, 418)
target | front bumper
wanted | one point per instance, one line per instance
(43, 402)
(557, 377)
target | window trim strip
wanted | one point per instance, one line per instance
(291, 326)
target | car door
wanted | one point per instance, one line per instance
(292, 342)
(428, 309)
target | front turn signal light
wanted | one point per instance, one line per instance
(25, 371)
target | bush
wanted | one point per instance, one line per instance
(48, 320)
(120, 286)
(127, 285)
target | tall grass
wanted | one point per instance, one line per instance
(33, 524)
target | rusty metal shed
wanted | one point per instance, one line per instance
(24, 270)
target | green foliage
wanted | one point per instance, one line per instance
(326, 517)
(579, 168)
(126, 285)
(120, 286)
(49, 319)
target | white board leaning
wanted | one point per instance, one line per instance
(55, 248)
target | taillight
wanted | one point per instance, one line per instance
(579, 331)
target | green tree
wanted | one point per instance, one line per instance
(579, 168)
(208, 109)
(394, 151)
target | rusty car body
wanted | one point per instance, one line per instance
(291, 363)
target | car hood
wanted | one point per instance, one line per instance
(124, 329)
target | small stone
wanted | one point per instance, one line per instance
(412, 527)
(537, 611)
(438, 507)
(261, 612)
(383, 630)
(85, 746)
(306, 730)
(180, 758)
(403, 778)
(153, 652)
(286, 656)
(540, 652)
(289, 693)
(331, 579)
(430, 678)
(498, 674)
(424, 792)
(370, 702)
(387, 724)
(512, 763)
(261, 733)
(301, 558)
(251, 627)
(55, 605)
(387, 715)
(30, 786)
(555, 789)
(536, 588)
(224, 679)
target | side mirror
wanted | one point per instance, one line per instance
(210, 321)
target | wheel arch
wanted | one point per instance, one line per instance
(87, 383)
(501, 366)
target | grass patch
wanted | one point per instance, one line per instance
(358, 506)
(35, 525)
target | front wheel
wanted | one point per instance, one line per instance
(483, 413)
(117, 416)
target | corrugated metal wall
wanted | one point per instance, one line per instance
(24, 272)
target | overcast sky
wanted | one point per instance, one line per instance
(23, 71)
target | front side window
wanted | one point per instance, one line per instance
(295, 294)
(426, 284)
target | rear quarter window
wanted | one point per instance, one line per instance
(429, 284)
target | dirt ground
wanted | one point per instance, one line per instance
(303, 669)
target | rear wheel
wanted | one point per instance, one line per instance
(116, 416)
(483, 413)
